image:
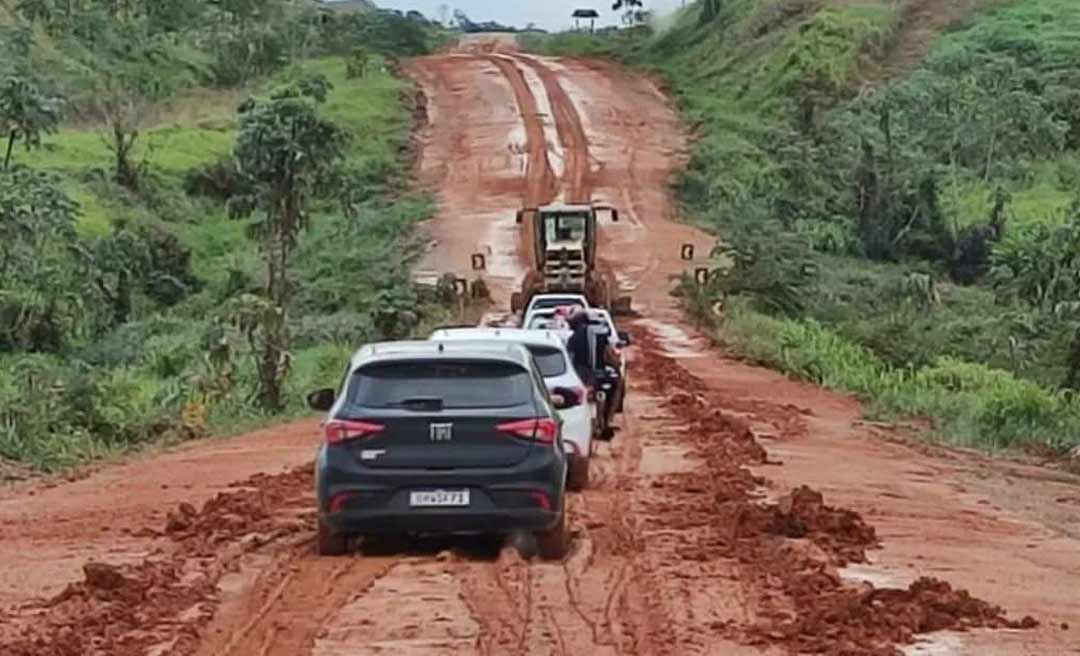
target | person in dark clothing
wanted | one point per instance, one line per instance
(578, 345)
(606, 371)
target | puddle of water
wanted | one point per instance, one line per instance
(517, 143)
(663, 459)
(578, 95)
(938, 644)
(675, 341)
(547, 116)
(500, 245)
(879, 578)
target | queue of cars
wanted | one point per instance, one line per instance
(476, 430)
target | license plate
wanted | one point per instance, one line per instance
(436, 498)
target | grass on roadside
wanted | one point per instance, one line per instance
(970, 404)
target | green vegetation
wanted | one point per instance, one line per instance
(973, 404)
(888, 220)
(137, 292)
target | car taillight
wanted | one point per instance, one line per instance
(338, 501)
(341, 430)
(540, 429)
(541, 500)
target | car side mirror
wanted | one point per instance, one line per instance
(614, 215)
(520, 216)
(624, 337)
(322, 400)
(563, 398)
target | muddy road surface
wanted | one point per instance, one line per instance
(736, 512)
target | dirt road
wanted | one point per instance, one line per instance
(736, 512)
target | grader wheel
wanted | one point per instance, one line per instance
(529, 287)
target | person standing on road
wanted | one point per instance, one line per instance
(578, 345)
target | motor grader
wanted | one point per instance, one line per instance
(560, 248)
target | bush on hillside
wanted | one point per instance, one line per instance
(219, 180)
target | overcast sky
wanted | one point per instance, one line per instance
(549, 14)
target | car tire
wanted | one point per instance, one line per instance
(330, 542)
(553, 543)
(578, 477)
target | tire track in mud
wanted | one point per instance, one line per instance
(289, 606)
(572, 135)
(541, 182)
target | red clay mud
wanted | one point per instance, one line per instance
(792, 548)
(124, 610)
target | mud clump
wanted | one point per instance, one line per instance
(124, 610)
(839, 532)
(253, 508)
(104, 577)
(113, 611)
(180, 519)
(788, 552)
(864, 620)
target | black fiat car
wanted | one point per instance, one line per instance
(436, 438)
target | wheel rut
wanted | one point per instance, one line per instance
(576, 180)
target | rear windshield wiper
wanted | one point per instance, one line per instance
(418, 403)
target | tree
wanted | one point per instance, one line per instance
(123, 110)
(172, 15)
(284, 148)
(37, 11)
(357, 64)
(634, 13)
(117, 264)
(34, 210)
(710, 9)
(41, 296)
(1039, 262)
(129, 83)
(25, 113)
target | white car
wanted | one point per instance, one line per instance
(545, 319)
(542, 317)
(552, 301)
(548, 349)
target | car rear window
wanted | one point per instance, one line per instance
(459, 385)
(549, 360)
(543, 303)
(541, 321)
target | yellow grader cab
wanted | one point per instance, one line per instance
(561, 244)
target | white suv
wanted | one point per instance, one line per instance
(548, 349)
(551, 301)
